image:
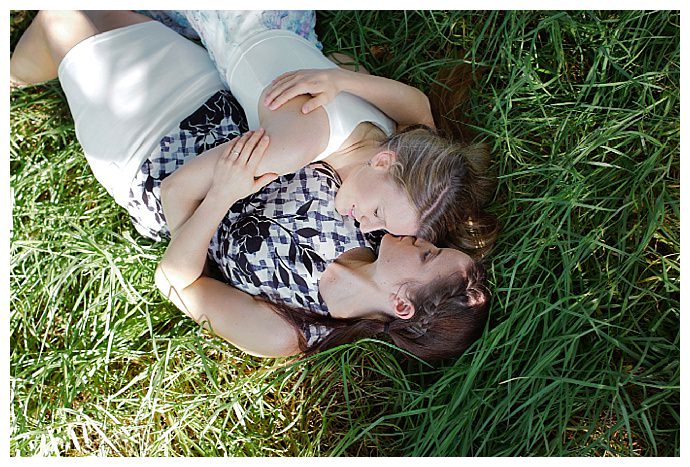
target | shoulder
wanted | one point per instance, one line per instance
(364, 132)
(296, 138)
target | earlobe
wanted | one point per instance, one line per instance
(383, 159)
(402, 307)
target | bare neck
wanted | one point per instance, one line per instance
(361, 146)
(346, 161)
(348, 289)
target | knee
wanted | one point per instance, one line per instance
(51, 19)
(62, 30)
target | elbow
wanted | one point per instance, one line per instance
(168, 290)
(427, 117)
(171, 281)
(162, 282)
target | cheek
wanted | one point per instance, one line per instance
(404, 269)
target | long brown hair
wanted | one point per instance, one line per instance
(450, 314)
(449, 185)
(446, 177)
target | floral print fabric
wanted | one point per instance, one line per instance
(237, 23)
(218, 120)
(277, 243)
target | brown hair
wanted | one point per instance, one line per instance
(449, 185)
(450, 314)
(445, 176)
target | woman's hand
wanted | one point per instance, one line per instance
(322, 85)
(233, 179)
(235, 171)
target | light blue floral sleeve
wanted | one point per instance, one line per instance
(235, 25)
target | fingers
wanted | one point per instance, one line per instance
(258, 154)
(283, 77)
(247, 149)
(265, 179)
(292, 84)
(251, 144)
(235, 146)
(278, 85)
(286, 91)
(314, 103)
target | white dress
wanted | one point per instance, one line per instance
(125, 89)
(249, 52)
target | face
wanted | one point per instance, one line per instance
(375, 201)
(410, 259)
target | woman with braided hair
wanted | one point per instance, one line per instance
(431, 301)
(284, 253)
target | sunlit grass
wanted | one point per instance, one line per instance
(582, 111)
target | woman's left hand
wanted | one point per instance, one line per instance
(322, 85)
(235, 171)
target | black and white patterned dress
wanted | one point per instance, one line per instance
(277, 242)
(216, 121)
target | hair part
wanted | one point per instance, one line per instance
(449, 185)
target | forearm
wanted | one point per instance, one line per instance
(250, 324)
(404, 104)
(183, 191)
(233, 179)
(184, 259)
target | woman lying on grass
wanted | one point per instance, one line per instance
(123, 96)
(314, 110)
(431, 301)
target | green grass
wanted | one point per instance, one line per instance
(582, 111)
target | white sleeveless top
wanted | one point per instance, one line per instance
(266, 55)
(249, 56)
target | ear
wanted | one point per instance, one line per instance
(383, 160)
(402, 307)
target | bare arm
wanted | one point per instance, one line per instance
(248, 323)
(233, 179)
(295, 140)
(404, 104)
(183, 191)
(245, 321)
